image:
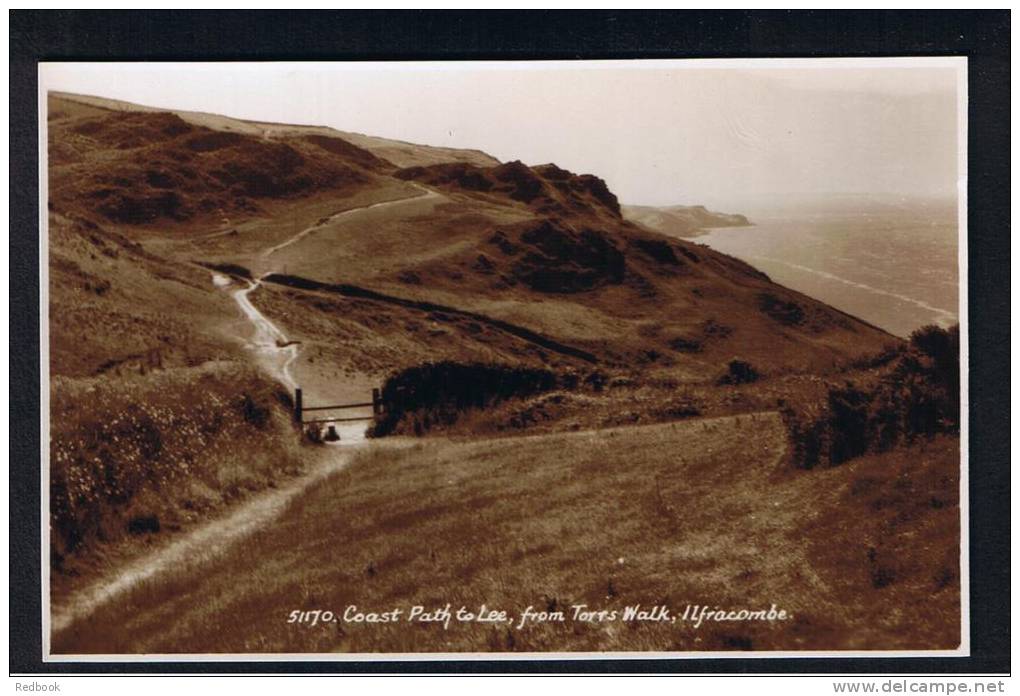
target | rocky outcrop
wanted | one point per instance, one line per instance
(553, 256)
(547, 188)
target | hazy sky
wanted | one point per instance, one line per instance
(720, 133)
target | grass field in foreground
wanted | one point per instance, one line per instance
(707, 512)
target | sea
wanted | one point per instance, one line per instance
(893, 264)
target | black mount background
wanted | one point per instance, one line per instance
(982, 36)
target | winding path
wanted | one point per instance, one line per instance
(425, 193)
(275, 354)
(196, 546)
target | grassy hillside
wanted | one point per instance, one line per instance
(116, 308)
(871, 405)
(401, 154)
(579, 275)
(157, 420)
(143, 167)
(136, 457)
(540, 247)
(703, 512)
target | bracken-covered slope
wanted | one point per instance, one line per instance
(144, 167)
(400, 153)
(540, 248)
(551, 249)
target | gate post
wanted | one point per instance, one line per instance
(298, 406)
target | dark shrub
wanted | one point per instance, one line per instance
(596, 380)
(783, 311)
(941, 345)
(915, 395)
(738, 372)
(561, 259)
(682, 344)
(143, 524)
(848, 423)
(437, 393)
(807, 435)
(681, 407)
(228, 268)
(254, 413)
(659, 249)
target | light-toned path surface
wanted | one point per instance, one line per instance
(274, 353)
(199, 545)
(424, 195)
(687, 504)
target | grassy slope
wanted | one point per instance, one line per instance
(244, 241)
(441, 249)
(400, 153)
(703, 512)
(429, 251)
(136, 457)
(156, 421)
(109, 301)
(150, 427)
(442, 253)
(157, 418)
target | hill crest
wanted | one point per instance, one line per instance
(400, 153)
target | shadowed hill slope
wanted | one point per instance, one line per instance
(400, 153)
(143, 167)
(549, 249)
(539, 248)
(548, 189)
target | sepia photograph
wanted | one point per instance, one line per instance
(481, 360)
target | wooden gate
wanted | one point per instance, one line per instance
(300, 409)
